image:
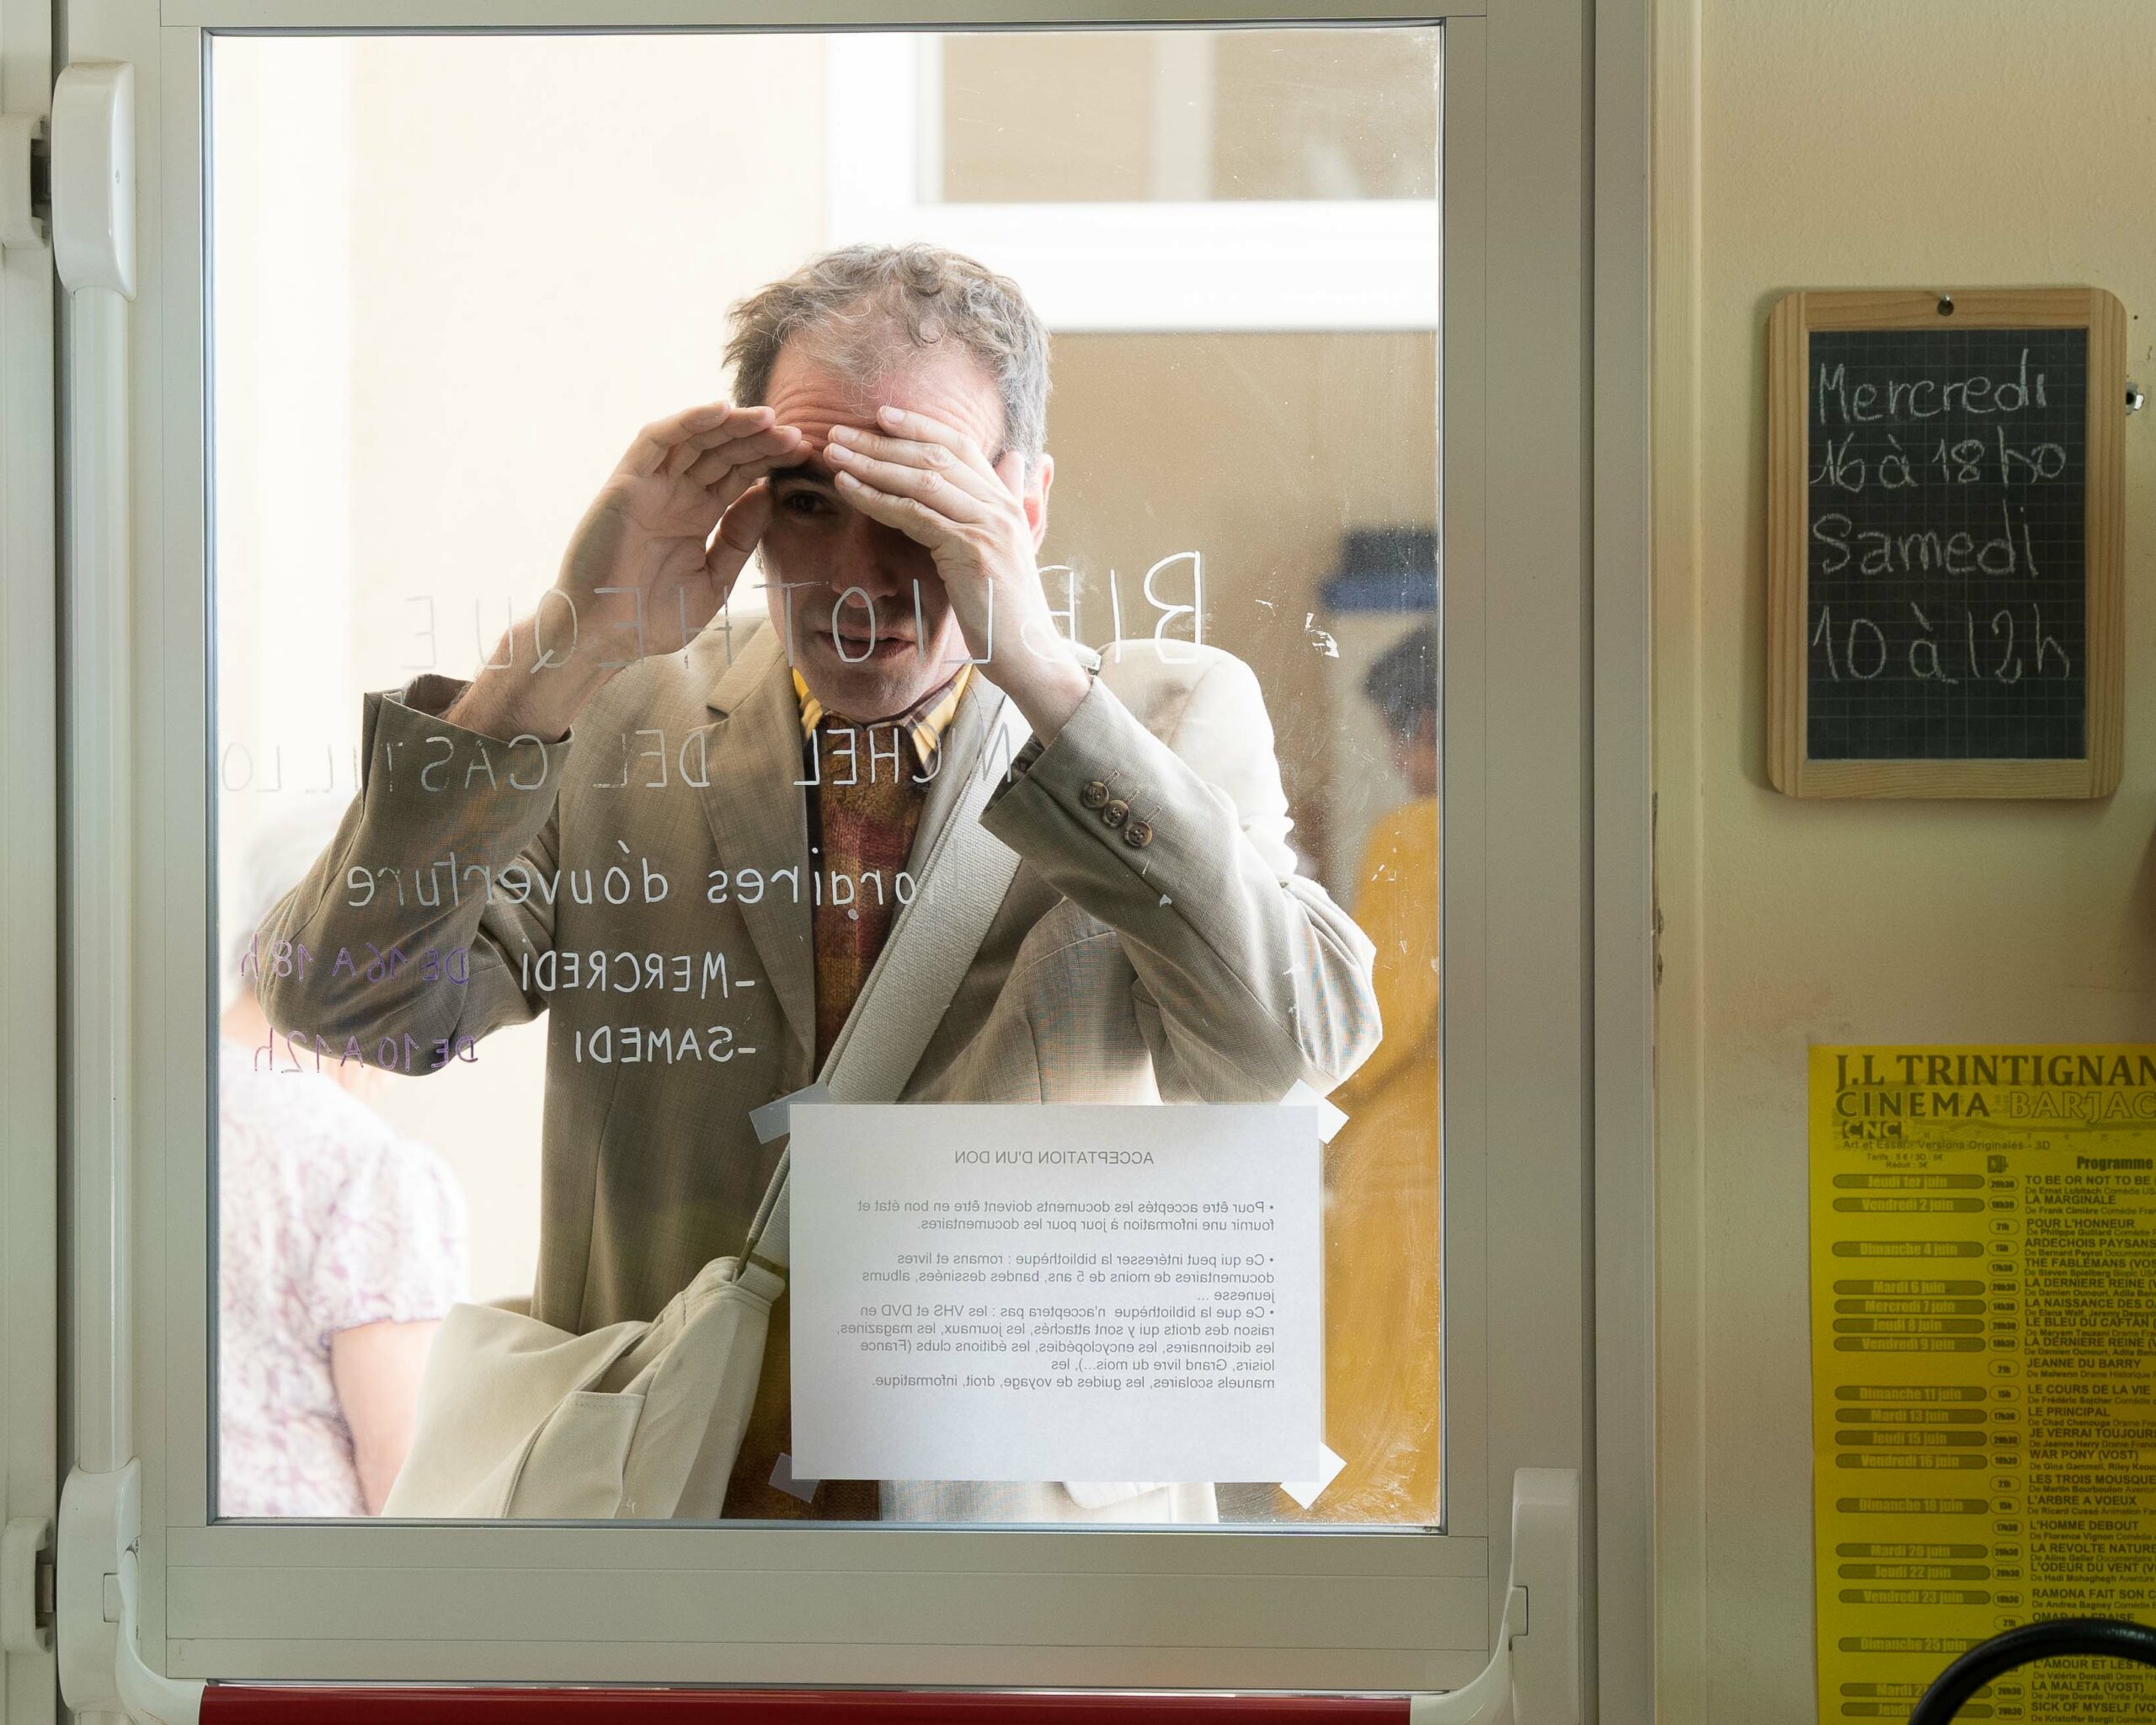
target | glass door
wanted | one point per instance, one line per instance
(917, 607)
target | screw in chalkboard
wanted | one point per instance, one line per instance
(1946, 305)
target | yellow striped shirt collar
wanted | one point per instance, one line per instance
(924, 723)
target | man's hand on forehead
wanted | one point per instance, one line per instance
(917, 441)
(933, 484)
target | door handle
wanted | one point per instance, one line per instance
(93, 176)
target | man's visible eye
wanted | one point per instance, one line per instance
(805, 504)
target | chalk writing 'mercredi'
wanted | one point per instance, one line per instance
(1923, 397)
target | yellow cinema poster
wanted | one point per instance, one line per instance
(1983, 1368)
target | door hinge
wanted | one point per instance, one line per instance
(26, 181)
(26, 1587)
(1654, 880)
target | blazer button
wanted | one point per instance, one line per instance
(1116, 813)
(1138, 834)
(1094, 794)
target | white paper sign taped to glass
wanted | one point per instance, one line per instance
(1051, 1293)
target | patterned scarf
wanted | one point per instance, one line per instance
(864, 810)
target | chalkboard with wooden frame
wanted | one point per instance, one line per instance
(1945, 542)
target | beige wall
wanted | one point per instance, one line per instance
(1087, 116)
(1848, 143)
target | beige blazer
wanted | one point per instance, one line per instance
(646, 882)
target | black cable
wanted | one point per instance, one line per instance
(2055, 1638)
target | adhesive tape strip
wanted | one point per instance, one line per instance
(771, 1121)
(1307, 1491)
(784, 1478)
(1330, 1119)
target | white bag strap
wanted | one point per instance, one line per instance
(968, 872)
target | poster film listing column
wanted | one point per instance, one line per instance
(1944, 478)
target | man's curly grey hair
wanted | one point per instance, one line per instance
(868, 308)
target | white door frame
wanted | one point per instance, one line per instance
(1546, 1080)
(30, 838)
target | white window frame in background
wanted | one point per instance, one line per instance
(1172, 263)
(1547, 977)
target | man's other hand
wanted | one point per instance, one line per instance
(646, 568)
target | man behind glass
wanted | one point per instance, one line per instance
(688, 841)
